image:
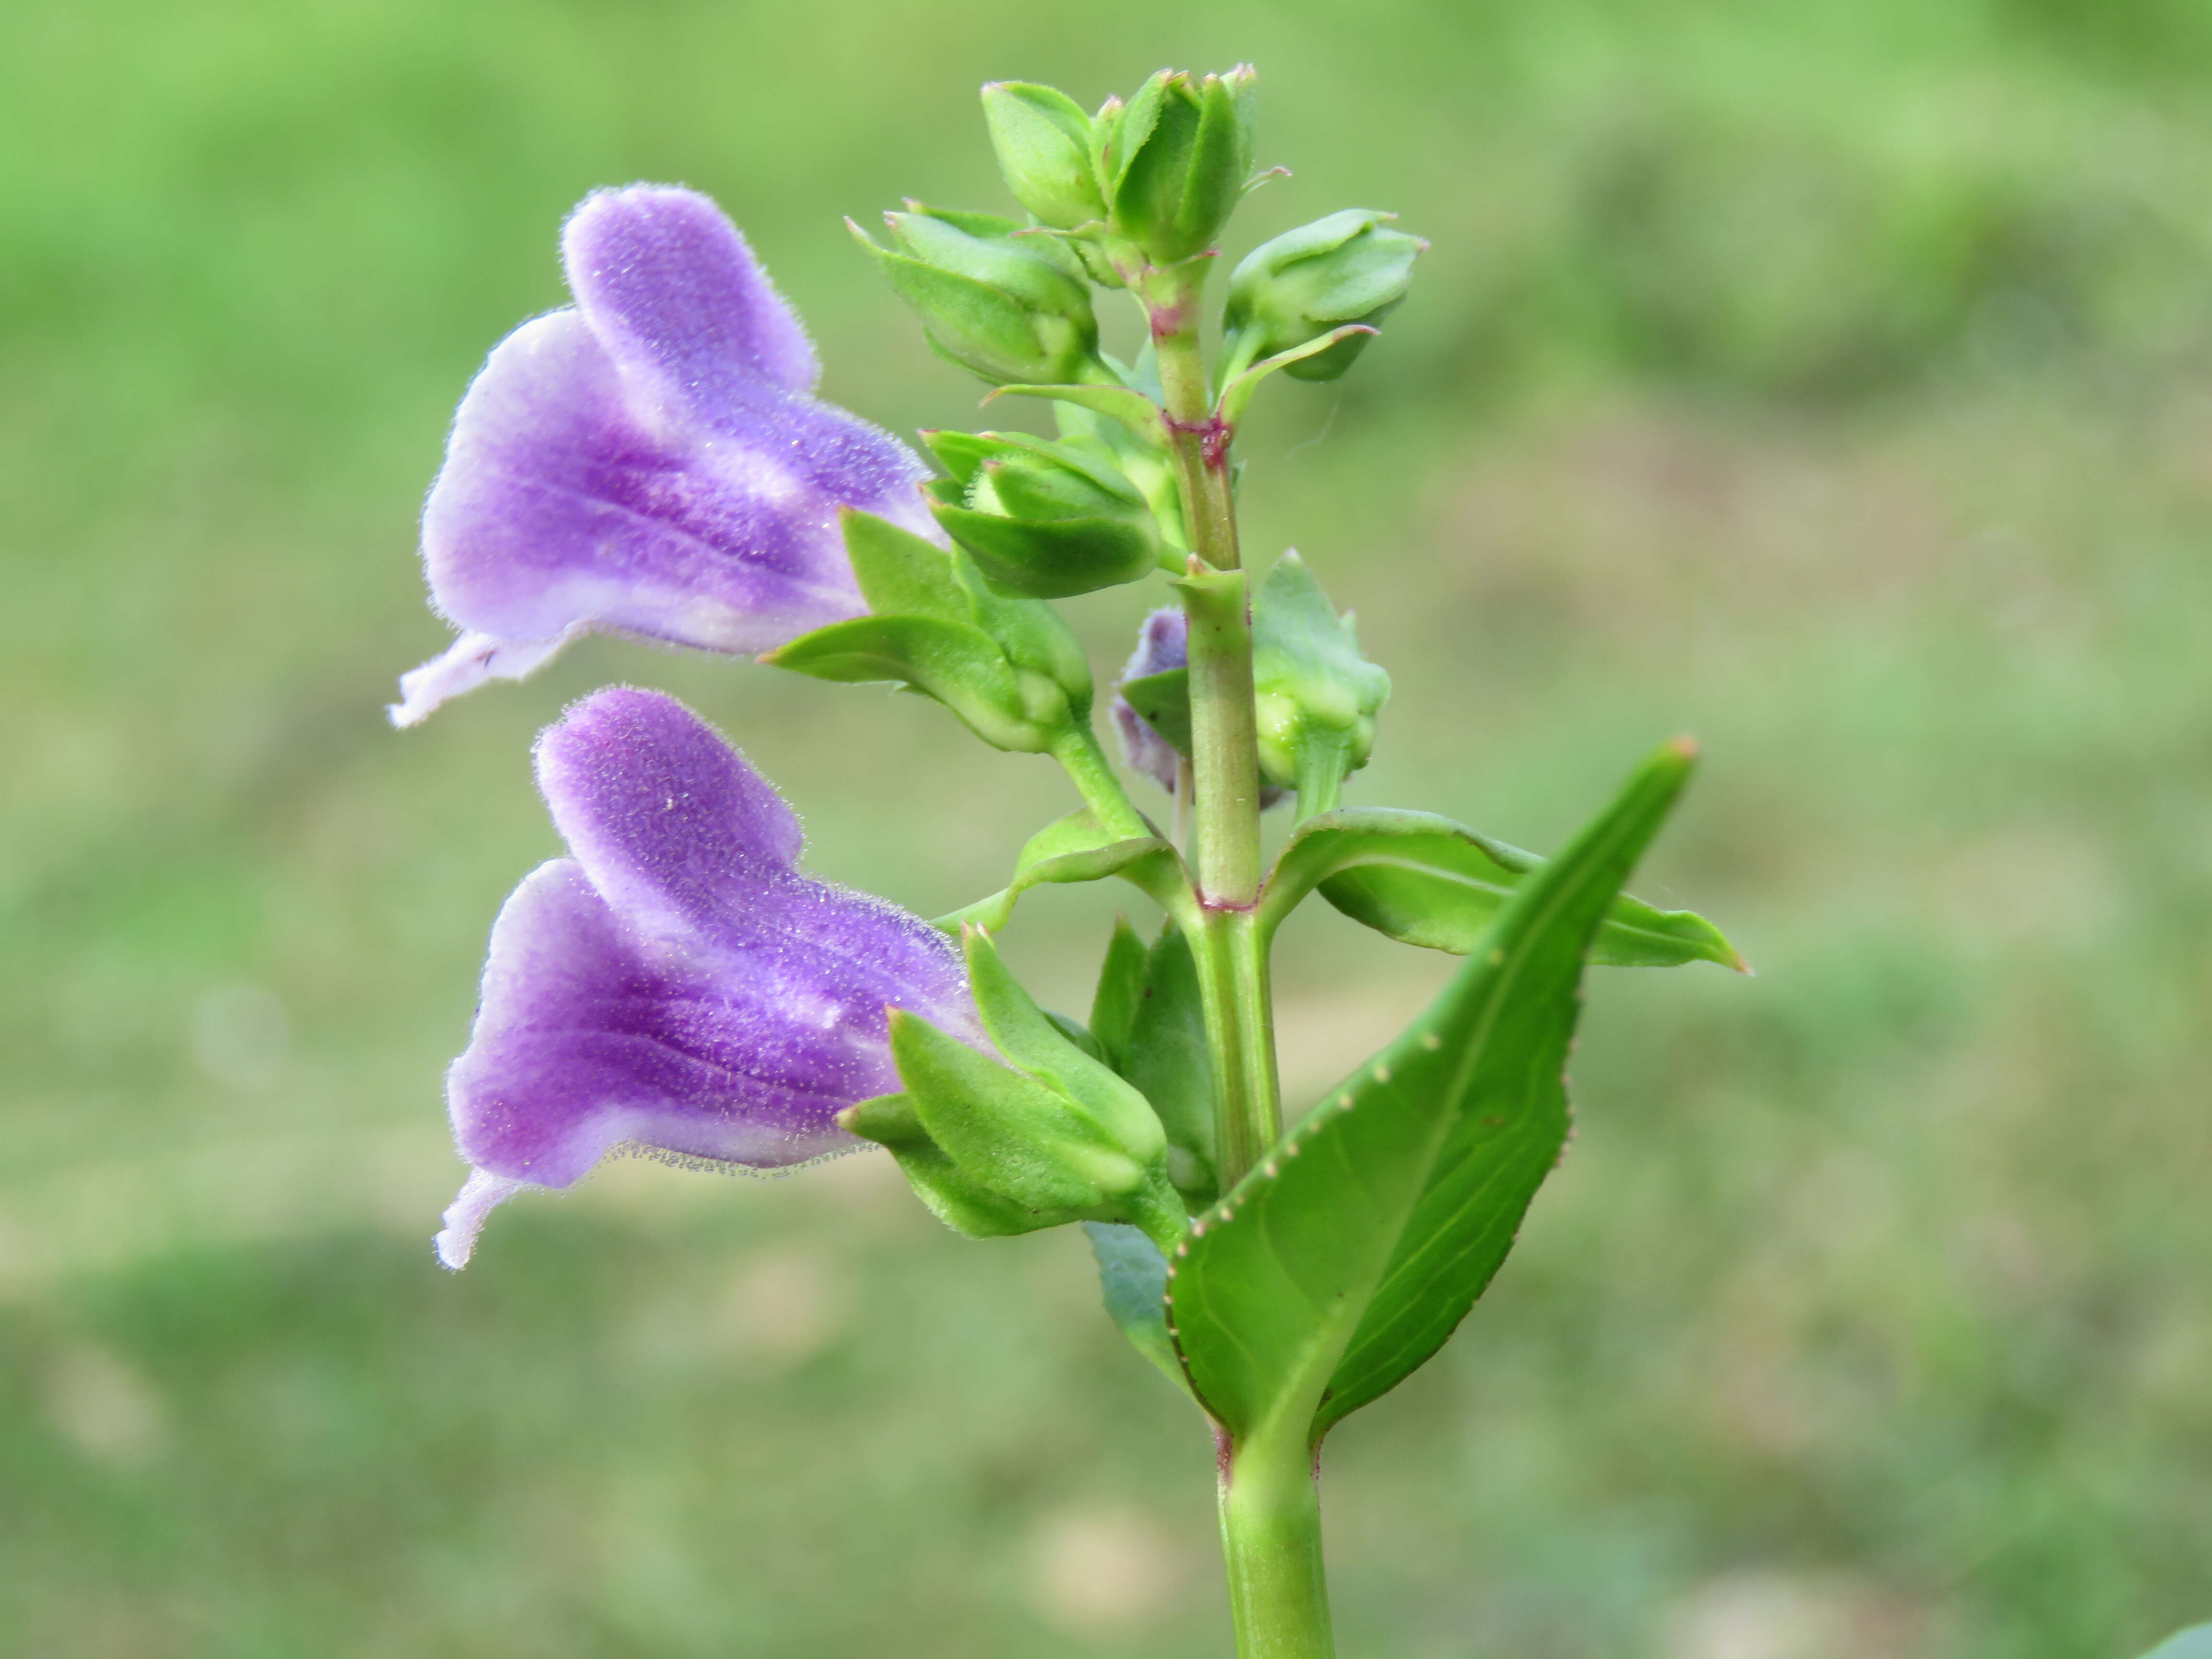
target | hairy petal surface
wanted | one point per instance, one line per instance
(650, 461)
(678, 985)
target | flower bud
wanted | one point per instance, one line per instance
(1346, 268)
(1013, 311)
(1035, 1134)
(1044, 519)
(1181, 153)
(1043, 141)
(1315, 696)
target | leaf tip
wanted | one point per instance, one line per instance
(1682, 747)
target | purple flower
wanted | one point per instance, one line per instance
(677, 985)
(649, 461)
(1163, 643)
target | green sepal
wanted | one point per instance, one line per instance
(1348, 1255)
(1133, 1278)
(1079, 1034)
(1130, 409)
(1121, 991)
(900, 574)
(1042, 138)
(953, 1196)
(1053, 559)
(1184, 152)
(1315, 696)
(1008, 1131)
(1030, 1040)
(1003, 313)
(960, 665)
(1425, 880)
(1068, 850)
(1162, 701)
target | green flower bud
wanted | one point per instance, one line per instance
(1043, 141)
(1316, 696)
(1047, 519)
(1007, 666)
(1038, 1134)
(1181, 153)
(1012, 309)
(1346, 268)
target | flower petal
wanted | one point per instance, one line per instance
(650, 462)
(664, 278)
(678, 985)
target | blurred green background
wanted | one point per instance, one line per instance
(1833, 380)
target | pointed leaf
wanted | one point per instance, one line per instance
(959, 666)
(1072, 849)
(1345, 1259)
(1132, 1277)
(1136, 412)
(1238, 392)
(1425, 880)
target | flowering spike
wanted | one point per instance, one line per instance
(677, 984)
(650, 461)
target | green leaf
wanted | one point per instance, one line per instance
(1162, 703)
(1120, 990)
(1137, 414)
(1026, 1037)
(1238, 392)
(959, 666)
(2195, 1643)
(1132, 1276)
(1166, 1057)
(1073, 849)
(1348, 1255)
(1425, 880)
(900, 574)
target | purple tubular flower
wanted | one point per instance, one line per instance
(677, 985)
(1163, 643)
(649, 461)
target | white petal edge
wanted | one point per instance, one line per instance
(480, 1195)
(469, 662)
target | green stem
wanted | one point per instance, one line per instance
(1271, 1543)
(1080, 756)
(1232, 959)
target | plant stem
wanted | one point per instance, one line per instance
(1232, 960)
(1271, 1545)
(1321, 772)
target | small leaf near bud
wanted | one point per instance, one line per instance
(1009, 308)
(1008, 667)
(1043, 140)
(1181, 154)
(1348, 268)
(1316, 696)
(1047, 519)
